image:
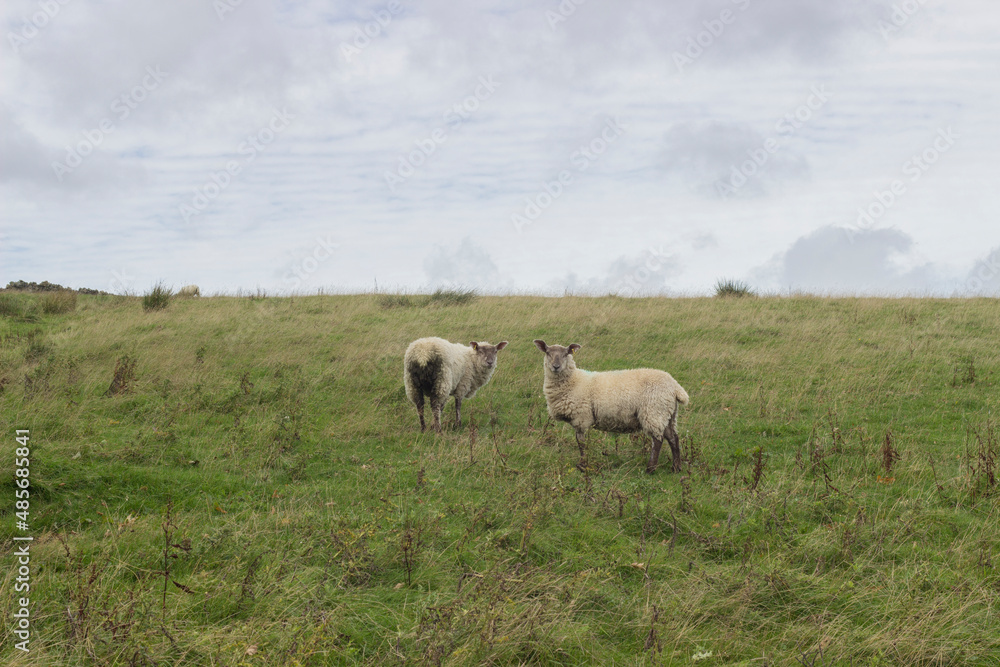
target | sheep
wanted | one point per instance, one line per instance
(627, 401)
(438, 369)
(189, 290)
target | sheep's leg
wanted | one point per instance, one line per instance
(458, 412)
(436, 406)
(674, 440)
(581, 442)
(654, 455)
(420, 411)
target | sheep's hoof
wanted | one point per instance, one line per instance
(650, 470)
(583, 467)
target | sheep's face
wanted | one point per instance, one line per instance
(558, 359)
(486, 354)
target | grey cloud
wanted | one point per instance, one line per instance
(571, 38)
(704, 241)
(26, 160)
(836, 260)
(22, 156)
(88, 59)
(706, 155)
(809, 30)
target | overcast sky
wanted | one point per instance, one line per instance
(584, 146)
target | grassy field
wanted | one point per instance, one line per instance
(241, 481)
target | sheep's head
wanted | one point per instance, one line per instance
(486, 353)
(558, 359)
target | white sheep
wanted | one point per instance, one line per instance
(189, 290)
(629, 401)
(435, 368)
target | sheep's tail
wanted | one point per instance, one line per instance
(425, 373)
(682, 396)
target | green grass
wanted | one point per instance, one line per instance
(838, 493)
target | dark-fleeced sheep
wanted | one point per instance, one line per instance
(436, 369)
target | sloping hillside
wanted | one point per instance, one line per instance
(256, 491)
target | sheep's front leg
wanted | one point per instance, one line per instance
(581, 442)
(458, 412)
(654, 455)
(420, 412)
(675, 447)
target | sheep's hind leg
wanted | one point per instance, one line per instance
(654, 455)
(419, 402)
(675, 442)
(436, 405)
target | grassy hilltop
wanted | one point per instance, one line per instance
(255, 490)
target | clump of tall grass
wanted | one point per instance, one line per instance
(156, 298)
(10, 306)
(57, 303)
(439, 297)
(727, 287)
(452, 297)
(18, 308)
(387, 301)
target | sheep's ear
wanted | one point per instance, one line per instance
(574, 347)
(541, 345)
(501, 345)
(475, 345)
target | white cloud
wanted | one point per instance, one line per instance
(644, 274)
(984, 277)
(467, 266)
